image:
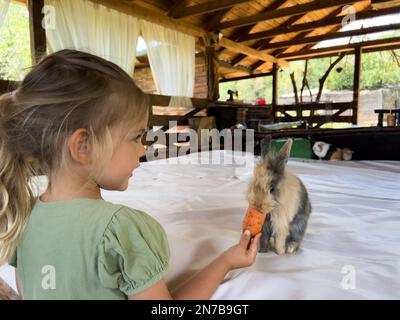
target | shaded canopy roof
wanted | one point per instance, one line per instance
(286, 29)
(254, 33)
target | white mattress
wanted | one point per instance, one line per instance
(352, 245)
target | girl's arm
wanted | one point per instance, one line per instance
(6, 292)
(204, 284)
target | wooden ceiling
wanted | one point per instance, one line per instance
(282, 29)
(252, 35)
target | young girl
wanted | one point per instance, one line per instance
(79, 120)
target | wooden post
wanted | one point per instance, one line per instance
(212, 73)
(357, 78)
(275, 94)
(38, 33)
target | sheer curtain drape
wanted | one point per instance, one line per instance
(172, 59)
(86, 26)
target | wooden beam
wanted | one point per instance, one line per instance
(357, 83)
(300, 36)
(259, 44)
(255, 75)
(281, 13)
(329, 36)
(207, 7)
(275, 94)
(342, 48)
(163, 101)
(37, 32)
(310, 26)
(379, 4)
(152, 16)
(177, 8)
(244, 31)
(215, 19)
(350, 52)
(227, 65)
(238, 47)
(212, 73)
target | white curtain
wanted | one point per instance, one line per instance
(172, 59)
(3, 10)
(86, 26)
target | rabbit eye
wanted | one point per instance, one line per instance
(272, 189)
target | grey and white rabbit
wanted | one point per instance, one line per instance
(278, 192)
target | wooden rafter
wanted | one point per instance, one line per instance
(37, 32)
(305, 34)
(377, 44)
(253, 75)
(177, 8)
(300, 36)
(394, 46)
(285, 12)
(245, 30)
(152, 16)
(214, 19)
(380, 4)
(227, 65)
(207, 7)
(259, 44)
(238, 47)
(330, 36)
(310, 26)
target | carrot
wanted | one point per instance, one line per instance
(253, 221)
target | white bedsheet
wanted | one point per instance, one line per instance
(352, 245)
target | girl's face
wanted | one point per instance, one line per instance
(125, 160)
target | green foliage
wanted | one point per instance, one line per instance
(15, 51)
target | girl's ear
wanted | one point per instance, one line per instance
(79, 146)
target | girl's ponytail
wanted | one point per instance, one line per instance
(16, 197)
(65, 91)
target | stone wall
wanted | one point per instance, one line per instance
(144, 79)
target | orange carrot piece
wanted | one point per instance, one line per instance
(253, 221)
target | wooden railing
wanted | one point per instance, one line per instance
(315, 115)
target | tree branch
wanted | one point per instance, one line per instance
(326, 75)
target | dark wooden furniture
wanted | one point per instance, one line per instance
(381, 113)
(374, 143)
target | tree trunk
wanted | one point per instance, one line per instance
(304, 81)
(296, 95)
(326, 75)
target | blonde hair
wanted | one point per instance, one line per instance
(65, 91)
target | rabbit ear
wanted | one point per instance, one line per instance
(265, 146)
(283, 155)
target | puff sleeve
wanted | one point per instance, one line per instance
(133, 253)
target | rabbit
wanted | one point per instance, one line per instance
(279, 193)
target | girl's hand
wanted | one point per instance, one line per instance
(244, 253)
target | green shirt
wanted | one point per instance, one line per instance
(89, 249)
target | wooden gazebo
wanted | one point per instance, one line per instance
(245, 39)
